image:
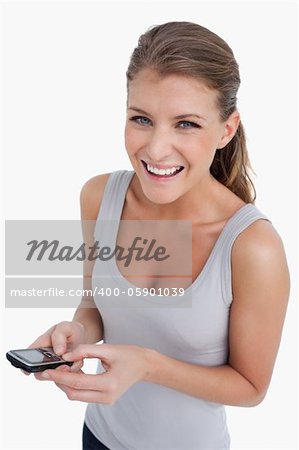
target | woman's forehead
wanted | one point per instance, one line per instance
(172, 91)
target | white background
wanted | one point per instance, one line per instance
(63, 111)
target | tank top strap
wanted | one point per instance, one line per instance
(109, 214)
(242, 219)
(114, 195)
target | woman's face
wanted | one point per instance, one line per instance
(173, 129)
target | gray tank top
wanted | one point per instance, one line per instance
(149, 416)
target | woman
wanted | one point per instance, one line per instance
(167, 372)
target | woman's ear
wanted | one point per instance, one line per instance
(230, 129)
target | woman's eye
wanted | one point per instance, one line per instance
(184, 124)
(187, 124)
(141, 120)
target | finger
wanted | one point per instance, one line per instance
(106, 366)
(60, 337)
(77, 366)
(64, 368)
(37, 376)
(24, 372)
(84, 395)
(89, 351)
(80, 381)
(44, 340)
(64, 387)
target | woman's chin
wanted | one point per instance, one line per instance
(161, 199)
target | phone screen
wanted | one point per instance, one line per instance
(36, 356)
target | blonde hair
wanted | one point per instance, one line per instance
(189, 49)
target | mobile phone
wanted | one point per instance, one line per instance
(35, 359)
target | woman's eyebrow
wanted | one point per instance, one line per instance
(181, 116)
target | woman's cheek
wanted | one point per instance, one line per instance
(134, 141)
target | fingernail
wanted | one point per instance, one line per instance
(45, 375)
(66, 356)
(59, 349)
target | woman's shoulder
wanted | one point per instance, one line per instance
(258, 249)
(260, 235)
(91, 196)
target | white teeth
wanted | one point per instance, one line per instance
(169, 171)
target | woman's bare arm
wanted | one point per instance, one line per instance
(260, 281)
(87, 313)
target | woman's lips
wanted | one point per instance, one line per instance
(159, 171)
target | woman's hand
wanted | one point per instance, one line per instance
(62, 337)
(124, 364)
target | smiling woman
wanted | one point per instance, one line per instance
(151, 138)
(166, 371)
(200, 56)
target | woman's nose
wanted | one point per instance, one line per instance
(159, 146)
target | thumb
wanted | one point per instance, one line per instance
(88, 351)
(59, 343)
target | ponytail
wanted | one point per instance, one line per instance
(231, 166)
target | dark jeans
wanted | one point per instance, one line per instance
(90, 442)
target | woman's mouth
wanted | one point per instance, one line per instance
(165, 172)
